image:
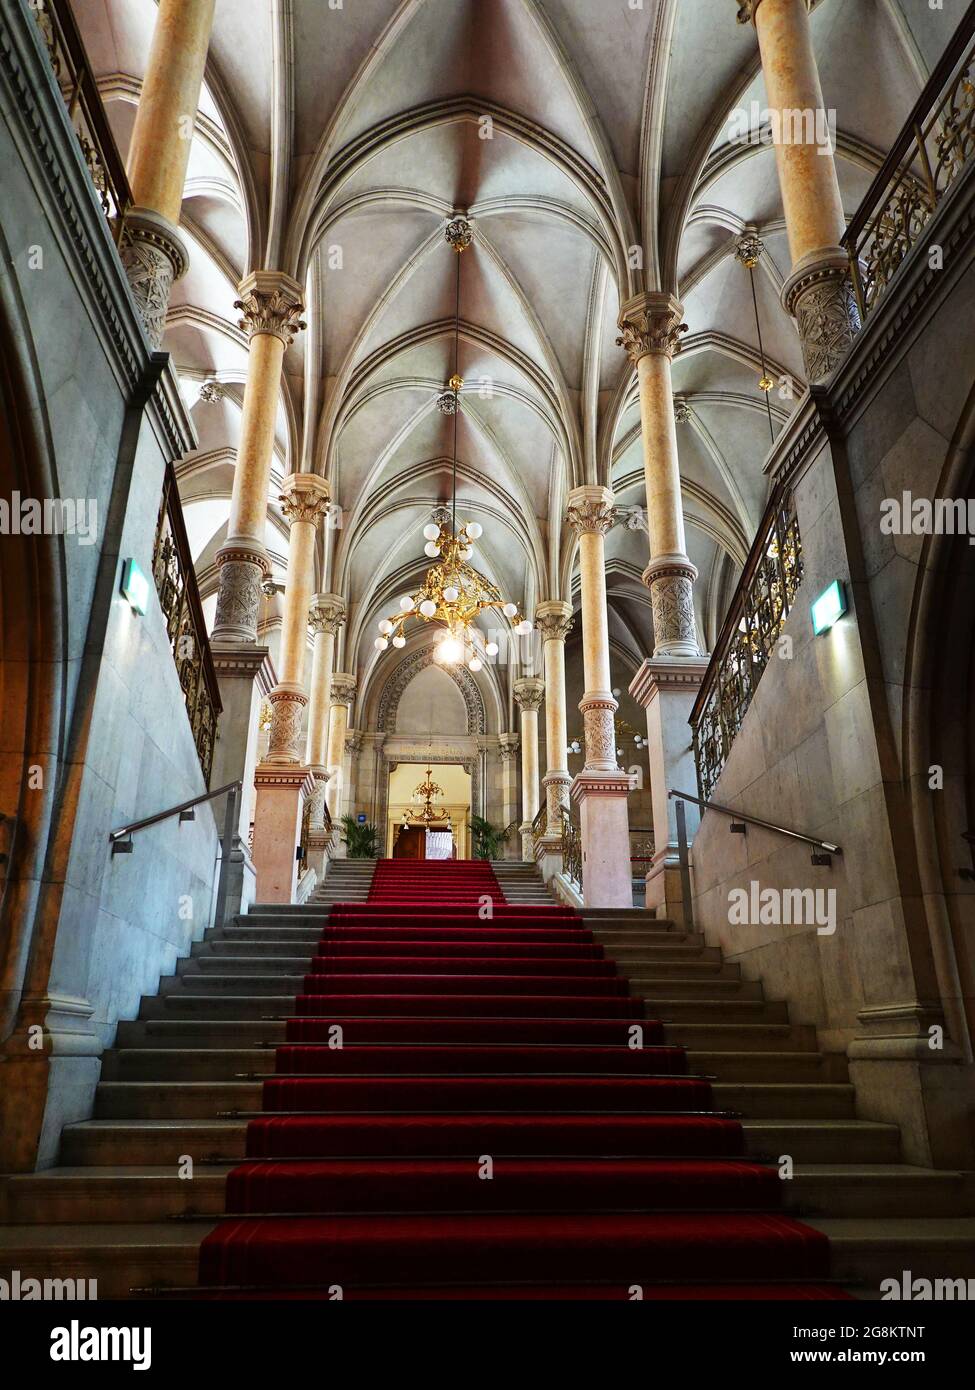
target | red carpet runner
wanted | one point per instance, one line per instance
(487, 1128)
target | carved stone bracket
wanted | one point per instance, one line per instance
(822, 300)
(155, 257)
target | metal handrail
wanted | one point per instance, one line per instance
(754, 820)
(173, 811)
(233, 790)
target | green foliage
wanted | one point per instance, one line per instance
(487, 840)
(361, 841)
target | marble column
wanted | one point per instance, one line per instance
(282, 780)
(152, 250)
(326, 616)
(601, 789)
(272, 308)
(528, 698)
(651, 325)
(508, 747)
(341, 696)
(818, 292)
(553, 619)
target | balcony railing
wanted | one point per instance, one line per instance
(936, 145)
(172, 568)
(762, 602)
(85, 109)
(642, 849)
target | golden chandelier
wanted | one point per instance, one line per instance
(426, 814)
(453, 592)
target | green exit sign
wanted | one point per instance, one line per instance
(829, 607)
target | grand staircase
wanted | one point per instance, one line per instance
(369, 1153)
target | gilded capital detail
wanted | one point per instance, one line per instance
(651, 323)
(271, 302)
(590, 511)
(528, 693)
(304, 497)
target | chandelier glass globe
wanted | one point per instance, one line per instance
(431, 549)
(491, 649)
(406, 604)
(431, 531)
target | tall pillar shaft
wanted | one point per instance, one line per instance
(528, 697)
(601, 789)
(343, 691)
(282, 781)
(304, 498)
(272, 308)
(554, 621)
(327, 616)
(651, 328)
(152, 251)
(818, 292)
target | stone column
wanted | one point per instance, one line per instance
(272, 308)
(342, 694)
(508, 746)
(553, 620)
(528, 698)
(818, 292)
(326, 617)
(651, 327)
(282, 780)
(601, 789)
(152, 250)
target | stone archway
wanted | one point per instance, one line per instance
(410, 667)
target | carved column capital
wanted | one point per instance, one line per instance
(651, 324)
(508, 746)
(343, 690)
(271, 302)
(304, 497)
(529, 691)
(327, 613)
(554, 620)
(591, 510)
(748, 9)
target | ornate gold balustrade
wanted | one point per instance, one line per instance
(762, 603)
(85, 110)
(571, 849)
(935, 147)
(172, 568)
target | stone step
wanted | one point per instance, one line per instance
(202, 1099)
(138, 1142)
(658, 984)
(675, 1010)
(126, 1260)
(194, 1063)
(140, 1194)
(173, 1034)
(743, 1036)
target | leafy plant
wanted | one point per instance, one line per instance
(487, 840)
(361, 841)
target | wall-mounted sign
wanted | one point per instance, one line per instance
(135, 586)
(829, 607)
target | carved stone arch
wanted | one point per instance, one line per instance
(397, 683)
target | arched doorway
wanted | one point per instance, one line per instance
(444, 839)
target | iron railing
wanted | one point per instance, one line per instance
(642, 848)
(539, 824)
(179, 598)
(763, 601)
(85, 110)
(936, 145)
(571, 848)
